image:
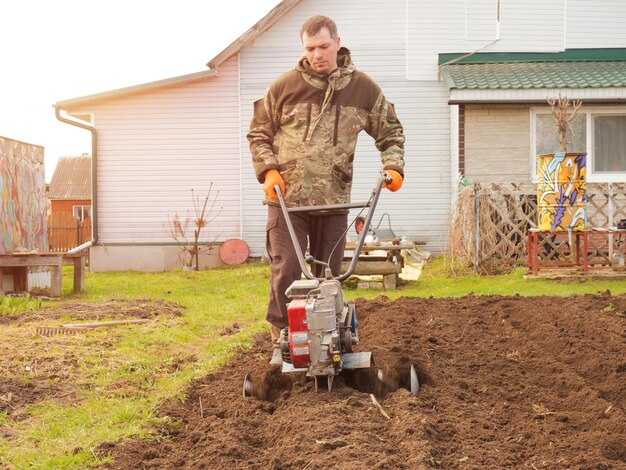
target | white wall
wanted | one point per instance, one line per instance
(469, 26)
(375, 34)
(597, 23)
(147, 258)
(154, 147)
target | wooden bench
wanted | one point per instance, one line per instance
(18, 264)
(388, 264)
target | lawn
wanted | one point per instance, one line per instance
(64, 396)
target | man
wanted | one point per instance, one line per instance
(302, 138)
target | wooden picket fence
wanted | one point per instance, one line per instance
(490, 223)
(65, 232)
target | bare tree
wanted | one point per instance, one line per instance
(563, 112)
(204, 213)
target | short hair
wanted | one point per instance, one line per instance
(314, 25)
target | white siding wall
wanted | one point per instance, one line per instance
(375, 34)
(597, 23)
(153, 148)
(481, 19)
(531, 26)
(463, 26)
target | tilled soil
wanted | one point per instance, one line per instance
(506, 382)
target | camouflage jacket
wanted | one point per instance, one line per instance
(306, 127)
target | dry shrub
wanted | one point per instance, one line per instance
(504, 216)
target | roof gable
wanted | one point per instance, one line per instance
(249, 36)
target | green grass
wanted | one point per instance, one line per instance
(120, 385)
(124, 374)
(16, 305)
(438, 280)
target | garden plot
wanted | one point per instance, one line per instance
(506, 382)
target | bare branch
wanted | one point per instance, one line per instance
(191, 246)
(564, 111)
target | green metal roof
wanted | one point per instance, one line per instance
(569, 55)
(581, 68)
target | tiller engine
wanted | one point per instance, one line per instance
(322, 331)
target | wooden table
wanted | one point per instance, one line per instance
(18, 264)
(388, 264)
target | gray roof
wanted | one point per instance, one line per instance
(71, 179)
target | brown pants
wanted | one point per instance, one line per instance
(323, 232)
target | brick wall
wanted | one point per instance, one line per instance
(497, 143)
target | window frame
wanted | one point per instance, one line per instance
(590, 113)
(84, 208)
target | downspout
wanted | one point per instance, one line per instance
(94, 192)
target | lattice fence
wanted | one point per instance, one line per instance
(490, 223)
(606, 204)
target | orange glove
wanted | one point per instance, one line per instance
(272, 178)
(396, 181)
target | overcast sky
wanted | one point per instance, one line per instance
(53, 50)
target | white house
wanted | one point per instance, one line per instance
(469, 80)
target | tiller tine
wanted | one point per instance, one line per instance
(415, 384)
(247, 386)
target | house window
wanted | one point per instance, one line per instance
(548, 136)
(600, 132)
(609, 144)
(81, 212)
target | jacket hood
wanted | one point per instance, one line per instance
(345, 68)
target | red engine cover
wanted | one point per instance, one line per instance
(298, 334)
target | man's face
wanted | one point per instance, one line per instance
(321, 51)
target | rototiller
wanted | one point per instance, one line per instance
(323, 327)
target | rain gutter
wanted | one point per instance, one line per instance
(94, 192)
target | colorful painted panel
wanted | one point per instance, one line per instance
(561, 191)
(23, 201)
